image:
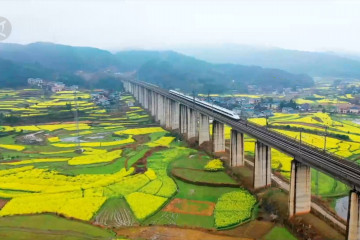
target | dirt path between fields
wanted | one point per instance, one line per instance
(171, 233)
(49, 234)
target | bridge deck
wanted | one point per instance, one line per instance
(341, 169)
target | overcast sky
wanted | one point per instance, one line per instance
(164, 24)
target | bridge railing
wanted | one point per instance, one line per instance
(313, 147)
(294, 140)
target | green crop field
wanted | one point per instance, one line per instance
(279, 233)
(122, 177)
(343, 139)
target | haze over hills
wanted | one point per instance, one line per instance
(326, 64)
(165, 68)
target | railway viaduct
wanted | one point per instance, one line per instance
(192, 120)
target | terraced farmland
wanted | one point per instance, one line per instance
(113, 169)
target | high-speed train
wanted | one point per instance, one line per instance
(214, 108)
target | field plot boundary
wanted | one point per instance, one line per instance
(204, 183)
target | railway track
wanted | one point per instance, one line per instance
(341, 169)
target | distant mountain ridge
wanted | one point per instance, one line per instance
(324, 64)
(58, 57)
(170, 68)
(166, 68)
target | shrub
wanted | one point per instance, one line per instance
(233, 208)
(214, 165)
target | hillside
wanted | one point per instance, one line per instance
(165, 68)
(189, 74)
(13, 75)
(58, 57)
(312, 63)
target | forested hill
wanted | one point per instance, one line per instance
(326, 64)
(173, 70)
(165, 68)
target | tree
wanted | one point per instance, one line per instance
(68, 106)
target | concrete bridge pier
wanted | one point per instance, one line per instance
(191, 123)
(204, 129)
(140, 98)
(353, 223)
(160, 109)
(133, 90)
(183, 119)
(167, 115)
(137, 92)
(300, 189)
(236, 149)
(218, 136)
(149, 100)
(153, 104)
(128, 87)
(146, 98)
(175, 114)
(262, 165)
(141, 95)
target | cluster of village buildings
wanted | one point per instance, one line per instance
(255, 107)
(244, 106)
(48, 85)
(99, 96)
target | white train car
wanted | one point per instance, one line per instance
(212, 107)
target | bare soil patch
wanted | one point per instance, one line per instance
(3, 202)
(194, 207)
(172, 233)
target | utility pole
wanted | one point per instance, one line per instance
(300, 139)
(267, 121)
(326, 127)
(317, 171)
(317, 183)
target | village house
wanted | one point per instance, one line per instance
(57, 87)
(35, 81)
(343, 108)
(354, 110)
(288, 110)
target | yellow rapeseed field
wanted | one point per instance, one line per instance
(140, 131)
(39, 160)
(12, 147)
(143, 204)
(70, 204)
(95, 158)
(163, 142)
(53, 139)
